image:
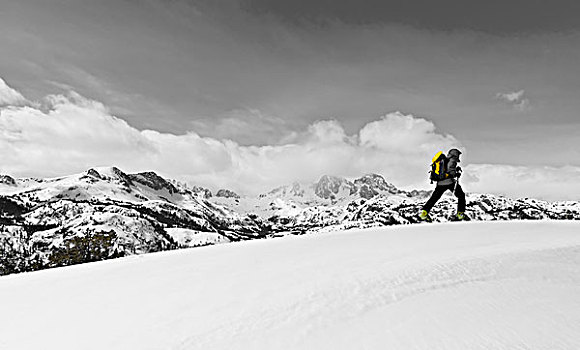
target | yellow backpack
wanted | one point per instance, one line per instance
(438, 167)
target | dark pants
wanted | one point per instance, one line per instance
(438, 192)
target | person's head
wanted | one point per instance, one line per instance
(453, 153)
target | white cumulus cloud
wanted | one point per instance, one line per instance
(65, 134)
(71, 134)
(9, 96)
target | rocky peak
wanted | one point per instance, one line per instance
(154, 181)
(187, 190)
(110, 173)
(297, 190)
(92, 172)
(371, 185)
(294, 190)
(7, 180)
(202, 191)
(227, 194)
(330, 187)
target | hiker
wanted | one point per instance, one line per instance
(447, 180)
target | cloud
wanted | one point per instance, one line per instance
(399, 131)
(10, 97)
(516, 99)
(511, 96)
(65, 134)
(69, 133)
(244, 126)
(548, 183)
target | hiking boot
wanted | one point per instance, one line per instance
(460, 215)
(424, 216)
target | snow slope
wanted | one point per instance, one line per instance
(485, 285)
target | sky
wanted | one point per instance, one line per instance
(302, 80)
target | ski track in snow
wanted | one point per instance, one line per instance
(442, 286)
(348, 302)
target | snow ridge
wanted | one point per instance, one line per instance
(105, 213)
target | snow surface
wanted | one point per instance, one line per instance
(487, 285)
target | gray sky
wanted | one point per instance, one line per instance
(257, 71)
(495, 17)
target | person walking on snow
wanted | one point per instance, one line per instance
(453, 172)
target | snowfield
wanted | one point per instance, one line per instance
(484, 285)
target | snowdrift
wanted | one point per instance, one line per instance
(500, 285)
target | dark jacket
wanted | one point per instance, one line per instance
(451, 168)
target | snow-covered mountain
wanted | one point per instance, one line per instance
(104, 213)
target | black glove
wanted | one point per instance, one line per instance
(458, 174)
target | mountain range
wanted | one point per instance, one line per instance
(105, 213)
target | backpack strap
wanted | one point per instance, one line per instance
(444, 168)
